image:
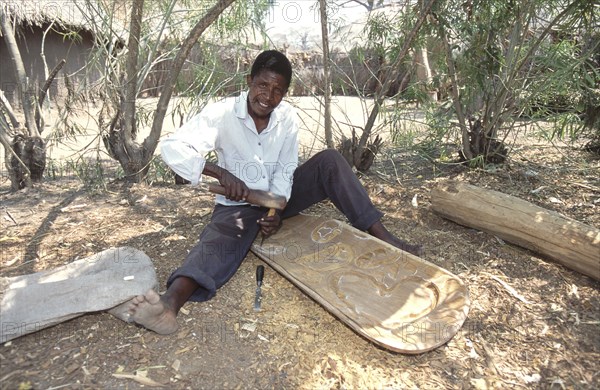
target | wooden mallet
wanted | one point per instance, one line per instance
(257, 197)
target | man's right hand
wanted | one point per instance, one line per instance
(235, 189)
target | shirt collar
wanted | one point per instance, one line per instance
(241, 110)
(241, 105)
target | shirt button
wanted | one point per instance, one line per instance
(259, 144)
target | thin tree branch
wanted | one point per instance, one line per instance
(49, 81)
(391, 76)
(151, 142)
(326, 73)
(9, 110)
(44, 91)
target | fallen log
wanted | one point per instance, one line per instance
(565, 240)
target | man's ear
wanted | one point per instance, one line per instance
(248, 80)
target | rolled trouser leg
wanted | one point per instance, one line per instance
(221, 248)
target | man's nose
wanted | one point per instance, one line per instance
(270, 93)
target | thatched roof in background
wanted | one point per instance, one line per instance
(87, 15)
(65, 13)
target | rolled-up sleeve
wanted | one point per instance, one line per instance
(185, 150)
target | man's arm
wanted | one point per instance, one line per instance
(235, 189)
(185, 150)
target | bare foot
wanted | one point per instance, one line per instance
(379, 231)
(416, 250)
(150, 311)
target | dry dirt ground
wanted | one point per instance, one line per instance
(550, 341)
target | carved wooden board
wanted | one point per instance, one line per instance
(389, 296)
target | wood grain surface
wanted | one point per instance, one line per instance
(565, 240)
(389, 296)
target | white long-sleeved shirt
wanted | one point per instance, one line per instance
(264, 161)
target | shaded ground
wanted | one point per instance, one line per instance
(552, 342)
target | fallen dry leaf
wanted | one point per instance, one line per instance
(140, 378)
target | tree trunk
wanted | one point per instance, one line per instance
(569, 242)
(362, 162)
(44, 91)
(133, 157)
(424, 74)
(9, 155)
(326, 73)
(27, 148)
(131, 74)
(455, 94)
(122, 131)
(211, 15)
(23, 85)
(28, 161)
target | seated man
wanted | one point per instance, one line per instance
(255, 139)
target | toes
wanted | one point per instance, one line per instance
(152, 297)
(133, 305)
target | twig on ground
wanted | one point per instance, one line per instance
(11, 217)
(508, 288)
(586, 186)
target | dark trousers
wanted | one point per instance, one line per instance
(225, 241)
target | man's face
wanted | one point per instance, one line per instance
(267, 89)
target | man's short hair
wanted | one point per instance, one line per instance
(274, 61)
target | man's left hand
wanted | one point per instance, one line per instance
(269, 225)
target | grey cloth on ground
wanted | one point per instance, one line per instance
(106, 280)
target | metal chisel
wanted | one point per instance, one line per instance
(260, 272)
